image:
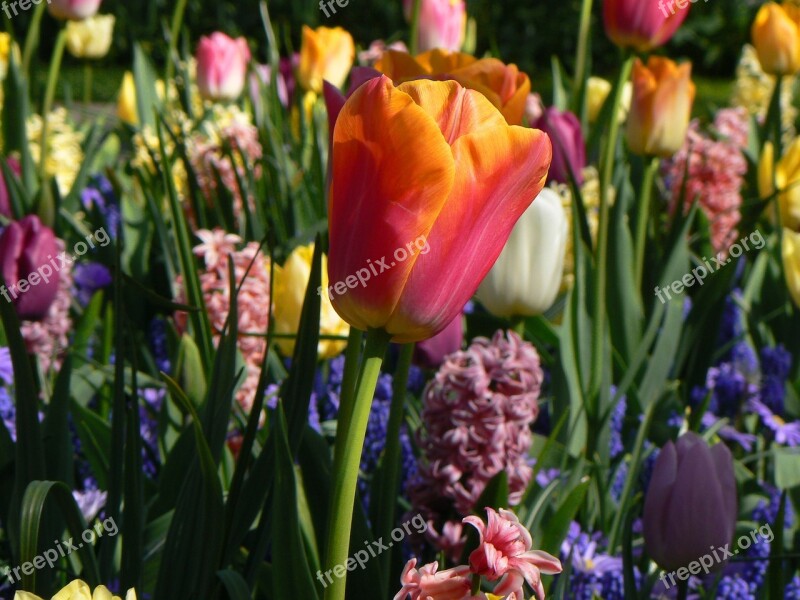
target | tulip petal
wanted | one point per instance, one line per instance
(499, 171)
(393, 172)
(504, 85)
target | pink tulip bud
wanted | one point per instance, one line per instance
(26, 250)
(569, 148)
(431, 353)
(221, 66)
(442, 23)
(73, 10)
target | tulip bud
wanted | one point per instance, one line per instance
(73, 10)
(5, 199)
(642, 24)
(691, 502)
(126, 102)
(569, 148)
(90, 38)
(442, 23)
(221, 66)
(527, 276)
(661, 107)
(785, 176)
(791, 263)
(431, 353)
(25, 246)
(776, 37)
(326, 54)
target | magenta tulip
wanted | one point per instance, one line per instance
(691, 503)
(5, 200)
(431, 353)
(73, 10)
(643, 24)
(221, 66)
(26, 250)
(569, 147)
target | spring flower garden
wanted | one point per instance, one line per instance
(299, 312)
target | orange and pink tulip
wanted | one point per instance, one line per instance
(424, 160)
(643, 24)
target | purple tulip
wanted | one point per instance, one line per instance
(5, 200)
(691, 505)
(431, 353)
(569, 147)
(26, 249)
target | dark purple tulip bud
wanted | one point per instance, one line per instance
(431, 353)
(569, 147)
(691, 507)
(5, 200)
(26, 250)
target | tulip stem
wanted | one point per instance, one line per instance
(683, 589)
(415, 12)
(642, 219)
(32, 39)
(174, 32)
(598, 317)
(349, 377)
(345, 477)
(50, 92)
(87, 82)
(772, 124)
(578, 84)
(390, 464)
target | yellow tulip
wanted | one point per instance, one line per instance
(661, 107)
(785, 176)
(126, 102)
(597, 91)
(90, 38)
(325, 54)
(791, 263)
(289, 288)
(776, 37)
(78, 590)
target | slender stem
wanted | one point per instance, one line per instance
(415, 12)
(387, 494)
(606, 174)
(642, 219)
(578, 84)
(346, 476)
(518, 325)
(174, 31)
(774, 121)
(50, 92)
(87, 82)
(349, 377)
(32, 38)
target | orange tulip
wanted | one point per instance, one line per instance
(505, 86)
(776, 37)
(661, 107)
(326, 54)
(428, 181)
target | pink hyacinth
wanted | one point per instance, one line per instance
(47, 337)
(426, 583)
(505, 553)
(716, 169)
(252, 301)
(477, 416)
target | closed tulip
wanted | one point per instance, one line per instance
(597, 91)
(289, 289)
(79, 590)
(505, 86)
(643, 24)
(73, 10)
(25, 246)
(527, 276)
(221, 66)
(776, 37)
(442, 23)
(786, 177)
(431, 353)
(126, 101)
(691, 502)
(326, 54)
(90, 38)
(5, 199)
(428, 181)
(791, 263)
(661, 106)
(569, 147)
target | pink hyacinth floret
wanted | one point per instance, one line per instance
(505, 553)
(426, 583)
(477, 415)
(711, 170)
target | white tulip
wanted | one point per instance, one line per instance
(527, 275)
